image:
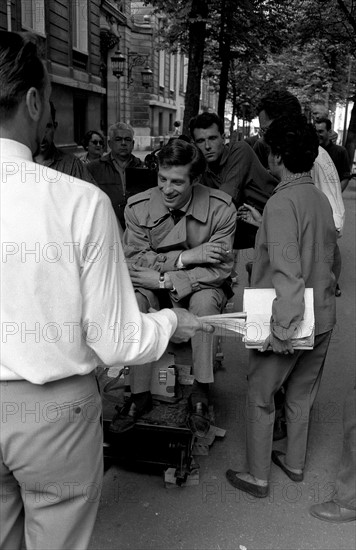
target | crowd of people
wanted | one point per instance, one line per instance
(111, 261)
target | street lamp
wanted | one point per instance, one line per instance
(147, 77)
(118, 62)
(138, 60)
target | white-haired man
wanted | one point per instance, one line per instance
(109, 170)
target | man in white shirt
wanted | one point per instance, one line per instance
(67, 305)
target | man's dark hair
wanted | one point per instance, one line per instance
(279, 103)
(325, 121)
(20, 69)
(205, 120)
(295, 140)
(180, 153)
(89, 135)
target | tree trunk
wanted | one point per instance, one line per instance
(197, 31)
(350, 143)
(224, 53)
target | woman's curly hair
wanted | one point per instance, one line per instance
(295, 140)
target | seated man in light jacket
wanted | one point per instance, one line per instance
(178, 245)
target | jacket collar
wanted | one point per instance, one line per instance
(297, 180)
(198, 207)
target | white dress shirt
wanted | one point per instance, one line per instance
(66, 294)
(326, 179)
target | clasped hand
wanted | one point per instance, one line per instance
(281, 347)
(206, 253)
(144, 277)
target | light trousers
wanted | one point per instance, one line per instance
(208, 301)
(51, 464)
(346, 476)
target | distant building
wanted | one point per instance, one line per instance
(79, 39)
(69, 37)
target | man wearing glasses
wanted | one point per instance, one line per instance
(109, 170)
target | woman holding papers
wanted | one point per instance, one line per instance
(294, 250)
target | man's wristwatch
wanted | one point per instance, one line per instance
(162, 282)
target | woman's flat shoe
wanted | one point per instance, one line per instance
(292, 475)
(259, 491)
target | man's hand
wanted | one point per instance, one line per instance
(206, 253)
(281, 347)
(144, 277)
(188, 325)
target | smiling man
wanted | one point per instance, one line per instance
(234, 169)
(178, 245)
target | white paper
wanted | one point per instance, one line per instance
(257, 302)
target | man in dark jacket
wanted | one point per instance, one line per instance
(49, 155)
(109, 170)
(234, 169)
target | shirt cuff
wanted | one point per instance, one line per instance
(179, 263)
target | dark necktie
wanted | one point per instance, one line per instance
(177, 215)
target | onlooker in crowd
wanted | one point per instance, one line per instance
(319, 110)
(61, 309)
(297, 215)
(178, 245)
(52, 157)
(338, 154)
(234, 169)
(109, 170)
(282, 103)
(93, 144)
(342, 507)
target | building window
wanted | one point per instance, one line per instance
(33, 15)
(172, 73)
(162, 59)
(80, 25)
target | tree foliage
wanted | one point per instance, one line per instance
(247, 47)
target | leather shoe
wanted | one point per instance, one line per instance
(292, 475)
(127, 416)
(198, 419)
(259, 491)
(332, 512)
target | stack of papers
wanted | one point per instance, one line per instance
(257, 303)
(227, 324)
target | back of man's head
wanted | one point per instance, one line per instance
(279, 103)
(179, 152)
(20, 70)
(205, 120)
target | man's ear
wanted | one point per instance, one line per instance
(278, 159)
(196, 180)
(34, 103)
